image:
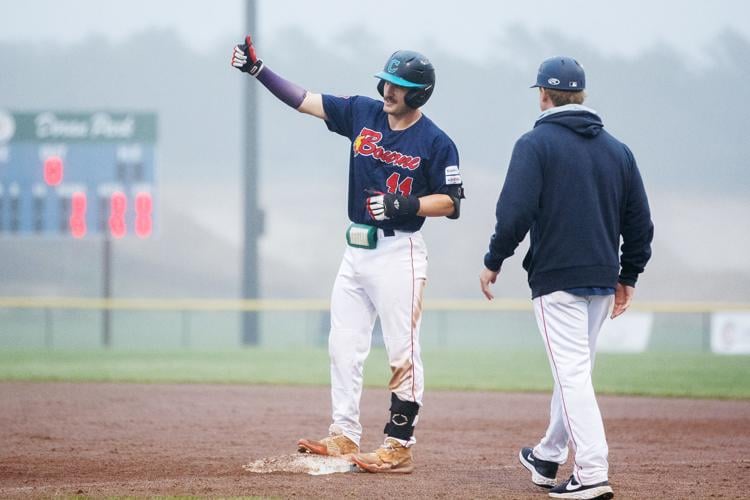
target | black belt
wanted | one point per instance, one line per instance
(389, 232)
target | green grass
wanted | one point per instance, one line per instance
(700, 375)
(653, 374)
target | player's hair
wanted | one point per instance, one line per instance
(563, 97)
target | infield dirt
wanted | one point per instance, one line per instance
(103, 439)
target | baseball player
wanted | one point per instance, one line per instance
(402, 169)
(578, 190)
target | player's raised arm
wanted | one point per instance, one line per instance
(245, 59)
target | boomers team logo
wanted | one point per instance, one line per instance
(366, 144)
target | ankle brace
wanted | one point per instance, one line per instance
(403, 419)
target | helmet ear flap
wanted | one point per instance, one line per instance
(416, 98)
(381, 88)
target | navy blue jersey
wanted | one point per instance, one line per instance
(418, 161)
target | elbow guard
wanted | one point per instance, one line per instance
(456, 194)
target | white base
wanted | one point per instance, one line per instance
(315, 465)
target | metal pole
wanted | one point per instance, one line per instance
(185, 315)
(106, 289)
(48, 328)
(706, 330)
(252, 222)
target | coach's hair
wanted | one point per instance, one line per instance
(563, 97)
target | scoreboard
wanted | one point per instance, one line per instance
(77, 174)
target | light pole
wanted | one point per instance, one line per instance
(252, 213)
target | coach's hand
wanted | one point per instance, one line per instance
(486, 278)
(245, 59)
(383, 206)
(623, 297)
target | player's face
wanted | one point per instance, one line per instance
(394, 99)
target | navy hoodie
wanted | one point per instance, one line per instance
(578, 190)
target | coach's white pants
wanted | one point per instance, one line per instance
(387, 281)
(570, 325)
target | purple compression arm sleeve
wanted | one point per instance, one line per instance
(289, 93)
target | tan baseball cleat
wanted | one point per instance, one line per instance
(392, 457)
(335, 445)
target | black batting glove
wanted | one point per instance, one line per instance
(245, 59)
(384, 206)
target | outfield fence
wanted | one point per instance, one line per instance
(142, 323)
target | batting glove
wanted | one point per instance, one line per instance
(244, 58)
(384, 206)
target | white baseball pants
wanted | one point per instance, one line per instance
(570, 326)
(387, 281)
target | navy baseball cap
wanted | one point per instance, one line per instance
(561, 73)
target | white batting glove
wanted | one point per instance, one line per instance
(376, 207)
(239, 59)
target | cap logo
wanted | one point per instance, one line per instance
(393, 65)
(553, 81)
(573, 84)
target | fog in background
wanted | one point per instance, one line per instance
(674, 95)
